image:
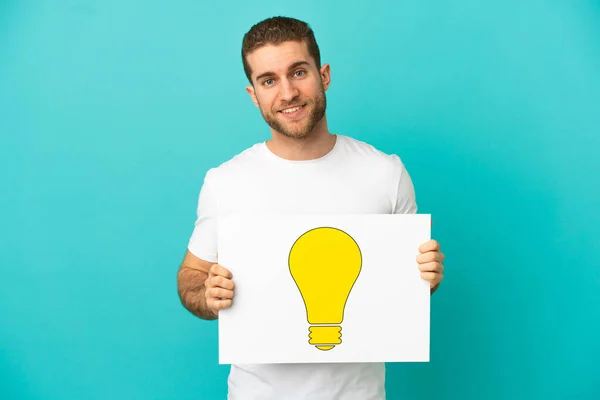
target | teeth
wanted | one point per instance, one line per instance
(291, 110)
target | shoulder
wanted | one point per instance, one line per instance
(389, 169)
(368, 155)
(237, 165)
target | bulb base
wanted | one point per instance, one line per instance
(324, 348)
(325, 337)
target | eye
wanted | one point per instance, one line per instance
(299, 73)
(268, 82)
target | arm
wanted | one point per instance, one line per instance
(430, 265)
(191, 287)
(204, 287)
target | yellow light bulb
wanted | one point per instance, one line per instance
(325, 263)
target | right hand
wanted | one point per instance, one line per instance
(219, 289)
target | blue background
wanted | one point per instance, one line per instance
(111, 112)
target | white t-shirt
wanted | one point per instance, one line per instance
(353, 178)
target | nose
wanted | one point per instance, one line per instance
(287, 91)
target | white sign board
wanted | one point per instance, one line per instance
(324, 289)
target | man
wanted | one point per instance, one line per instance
(302, 169)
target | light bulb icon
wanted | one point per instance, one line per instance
(325, 263)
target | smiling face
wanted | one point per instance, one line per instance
(288, 87)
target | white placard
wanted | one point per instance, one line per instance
(297, 276)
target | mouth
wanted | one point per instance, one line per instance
(292, 112)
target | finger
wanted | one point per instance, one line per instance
(211, 304)
(430, 256)
(431, 267)
(219, 282)
(217, 269)
(430, 245)
(216, 305)
(433, 277)
(219, 293)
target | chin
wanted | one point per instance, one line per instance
(297, 134)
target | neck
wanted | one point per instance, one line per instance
(315, 145)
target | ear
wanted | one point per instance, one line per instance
(250, 90)
(326, 75)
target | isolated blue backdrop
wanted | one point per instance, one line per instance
(112, 111)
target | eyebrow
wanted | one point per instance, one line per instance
(269, 73)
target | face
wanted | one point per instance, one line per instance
(288, 88)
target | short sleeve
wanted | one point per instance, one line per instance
(406, 202)
(203, 242)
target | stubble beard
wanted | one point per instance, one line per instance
(304, 128)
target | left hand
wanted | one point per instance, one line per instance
(430, 263)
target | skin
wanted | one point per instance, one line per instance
(283, 76)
